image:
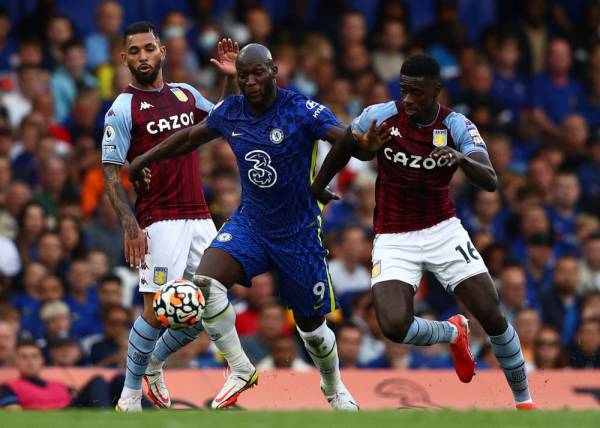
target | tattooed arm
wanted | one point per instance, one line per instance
(134, 239)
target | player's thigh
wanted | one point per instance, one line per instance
(304, 280)
(168, 249)
(234, 256)
(450, 254)
(397, 257)
(202, 232)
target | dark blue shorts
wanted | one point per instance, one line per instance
(299, 261)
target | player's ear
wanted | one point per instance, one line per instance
(274, 70)
(163, 52)
(438, 88)
(124, 57)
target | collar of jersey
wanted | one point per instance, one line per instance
(434, 119)
(267, 112)
(147, 90)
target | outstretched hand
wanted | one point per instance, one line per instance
(227, 53)
(374, 138)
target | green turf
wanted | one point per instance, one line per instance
(306, 419)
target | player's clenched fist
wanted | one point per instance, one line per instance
(448, 153)
(142, 180)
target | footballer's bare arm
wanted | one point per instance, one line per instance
(347, 144)
(476, 166)
(177, 144)
(134, 240)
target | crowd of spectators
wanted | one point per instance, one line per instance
(527, 73)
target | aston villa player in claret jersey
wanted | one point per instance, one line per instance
(172, 226)
(415, 220)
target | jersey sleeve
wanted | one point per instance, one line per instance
(201, 102)
(465, 134)
(318, 119)
(378, 112)
(215, 121)
(117, 131)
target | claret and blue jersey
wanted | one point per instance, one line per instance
(278, 222)
(412, 187)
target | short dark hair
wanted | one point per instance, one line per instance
(348, 325)
(107, 310)
(105, 279)
(24, 343)
(71, 44)
(421, 65)
(343, 232)
(140, 27)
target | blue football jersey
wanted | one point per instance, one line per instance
(276, 155)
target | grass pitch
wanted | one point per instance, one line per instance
(306, 419)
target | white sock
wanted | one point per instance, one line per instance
(322, 348)
(130, 393)
(219, 322)
(154, 365)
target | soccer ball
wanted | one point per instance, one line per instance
(178, 304)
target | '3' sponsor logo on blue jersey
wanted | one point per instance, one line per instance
(262, 174)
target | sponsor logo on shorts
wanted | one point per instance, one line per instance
(224, 237)
(376, 271)
(160, 275)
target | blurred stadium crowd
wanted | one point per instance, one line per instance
(526, 72)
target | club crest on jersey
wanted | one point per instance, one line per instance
(276, 135)
(224, 237)
(160, 275)
(440, 137)
(181, 96)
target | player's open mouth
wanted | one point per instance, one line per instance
(144, 68)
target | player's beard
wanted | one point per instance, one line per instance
(145, 79)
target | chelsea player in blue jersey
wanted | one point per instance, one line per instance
(273, 134)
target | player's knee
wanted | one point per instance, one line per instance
(215, 295)
(395, 328)
(148, 314)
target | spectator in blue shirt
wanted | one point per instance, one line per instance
(561, 306)
(69, 78)
(564, 211)
(509, 87)
(8, 47)
(554, 94)
(109, 19)
(82, 299)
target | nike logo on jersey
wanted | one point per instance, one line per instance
(236, 134)
(145, 106)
